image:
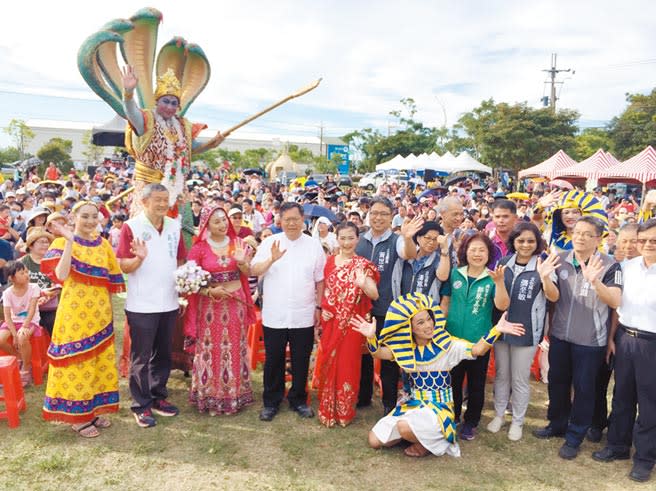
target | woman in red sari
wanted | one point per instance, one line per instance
(350, 285)
(217, 319)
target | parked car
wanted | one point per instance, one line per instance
(286, 177)
(345, 181)
(372, 180)
(318, 178)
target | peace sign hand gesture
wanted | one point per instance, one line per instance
(592, 271)
(497, 274)
(360, 324)
(129, 78)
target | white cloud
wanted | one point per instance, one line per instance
(448, 57)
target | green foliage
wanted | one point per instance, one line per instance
(21, 134)
(635, 128)
(56, 150)
(589, 141)
(92, 152)
(9, 155)
(252, 157)
(515, 136)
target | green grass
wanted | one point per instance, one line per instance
(198, 452)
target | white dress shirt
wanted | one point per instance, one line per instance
(638, 308)
(289, 285)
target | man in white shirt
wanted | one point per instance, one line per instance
(253, 216)
(635, 352)
(150, 249)
(291, 265)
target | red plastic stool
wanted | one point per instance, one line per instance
(40, 361)
(255, 338)
(13, 395)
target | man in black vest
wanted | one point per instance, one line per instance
(383, 247)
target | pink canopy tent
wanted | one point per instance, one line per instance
(560, 160)
(590, 168)
(641, 167)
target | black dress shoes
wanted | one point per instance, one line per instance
(607, 454)
(268, 413)
(547, 432)
(304, 411)
(594, 434)
(640, 474)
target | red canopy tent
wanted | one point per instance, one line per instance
(641, 167)
(590, 168)
(560, 160)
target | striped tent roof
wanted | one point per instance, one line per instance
(590, 168)
(560, 160)
(641, 167)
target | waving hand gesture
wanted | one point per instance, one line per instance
(547, 267)
(129, 78)
(360, 324)
(276, 253)
(592, 271)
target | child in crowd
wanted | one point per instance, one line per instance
(21, 316)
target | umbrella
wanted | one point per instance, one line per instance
(519, 196)
(438, 192)
(310, 210)
(253, 170)
(561, 183)
(455, 180)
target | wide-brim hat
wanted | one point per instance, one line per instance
(35, 233)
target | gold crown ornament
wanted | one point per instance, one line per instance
(168, 84)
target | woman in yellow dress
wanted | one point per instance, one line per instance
(82, 379)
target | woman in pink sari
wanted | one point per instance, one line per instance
(217, 319)
(350, 285)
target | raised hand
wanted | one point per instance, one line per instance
(550, 199)
(443, 242)
(506, 327)
(240, 255)
(411, 227)
(497, 274)
(139, 249)
(546, 269)
(360, 278)
(361, 325)
(129, 78)
(276, 253)
(592, 271)
(61, 230)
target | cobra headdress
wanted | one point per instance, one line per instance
(180, 68)
(397, 329)
(589, 206)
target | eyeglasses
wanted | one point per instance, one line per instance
(429, 239)
(379, 213)
(585, 235)
(291, 220)
(645, 241)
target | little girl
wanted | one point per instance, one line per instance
(19, 302)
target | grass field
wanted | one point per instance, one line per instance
(197, 452)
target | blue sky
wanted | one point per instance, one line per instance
(448, 56)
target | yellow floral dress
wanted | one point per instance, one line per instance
(82, 378)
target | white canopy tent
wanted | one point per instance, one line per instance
(469, 163)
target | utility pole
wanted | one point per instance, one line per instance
(553, 72)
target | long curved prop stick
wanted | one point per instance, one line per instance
(296, 94)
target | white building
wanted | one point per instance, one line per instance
(240, 140)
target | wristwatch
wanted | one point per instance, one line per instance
(317, 307)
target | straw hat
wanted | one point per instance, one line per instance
(35, 233)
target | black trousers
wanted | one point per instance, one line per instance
(150, 356)
(476, 371)
(300, 342)
(600, 414)
(47, 320)
(577, 366)
(389, 375)
(635, 386)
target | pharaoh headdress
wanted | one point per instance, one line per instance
(589, 206)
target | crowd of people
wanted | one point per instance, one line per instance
(410, 285)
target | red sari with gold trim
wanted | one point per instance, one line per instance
(341, 348)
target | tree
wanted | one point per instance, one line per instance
(56, 150)
(635, 128)
(515, 136)
(9, 155)
(92, 152)
(589, 141)
(21, 134)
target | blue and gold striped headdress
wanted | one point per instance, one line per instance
(397, 330)
(589, 206)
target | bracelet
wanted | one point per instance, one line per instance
(318, 308)
(491, 336)
(444, 255)
(128, 96)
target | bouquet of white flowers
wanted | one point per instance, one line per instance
(190, 278)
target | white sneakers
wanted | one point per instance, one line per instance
(495, 425)
(514, 432)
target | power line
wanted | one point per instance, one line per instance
(553, 72)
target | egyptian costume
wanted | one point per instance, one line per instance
(429, 408)
(589, 205)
